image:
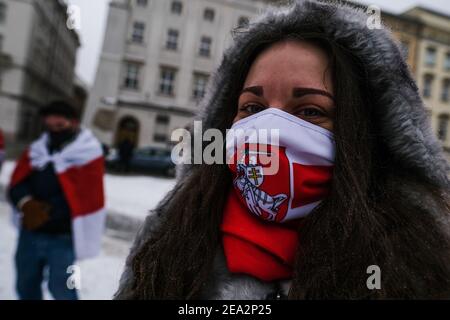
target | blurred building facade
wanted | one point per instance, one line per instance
(156, 61)
(38, 54)
(432, 67)
(424, 36)
(158, 56)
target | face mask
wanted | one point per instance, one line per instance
(298, 176)
(59, 138)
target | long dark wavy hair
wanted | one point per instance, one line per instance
(367, 219)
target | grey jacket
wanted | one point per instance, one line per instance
(404, 123)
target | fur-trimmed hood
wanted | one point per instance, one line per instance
(405, 125)
(402, 118)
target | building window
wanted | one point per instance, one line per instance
(209, 14)
(131, 80)
(243, 22)
(2, 12)
(172, 39)
(447, 62)
(161, 128)
(142, 3)
(205, 46)
(445, 90)
(177, 7)
(138, 32)
(443, 126)
(427, 85)
(167, 81)
(200, 83)
(430, 57)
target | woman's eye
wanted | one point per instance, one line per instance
(310, 112)
(252, 108)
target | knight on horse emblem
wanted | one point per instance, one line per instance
(248, 181)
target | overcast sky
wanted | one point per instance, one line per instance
(93, 20)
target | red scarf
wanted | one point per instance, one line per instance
(265, 250)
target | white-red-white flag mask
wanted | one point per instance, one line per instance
(282, 165)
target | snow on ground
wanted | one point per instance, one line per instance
(135, 195)
(130, 195)
(99, 276)
(8, 240)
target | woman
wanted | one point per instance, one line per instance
(314, 70)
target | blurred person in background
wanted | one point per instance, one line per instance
(126, 149)
(362, 179)
(57, 192)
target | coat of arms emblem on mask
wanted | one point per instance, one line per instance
(249, 181)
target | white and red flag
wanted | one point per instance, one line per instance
(80, 169)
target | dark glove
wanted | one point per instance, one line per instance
(35, 214)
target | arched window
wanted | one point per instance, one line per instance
(128, 128)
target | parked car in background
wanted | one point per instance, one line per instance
(148, 160)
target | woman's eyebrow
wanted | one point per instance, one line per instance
(256, 90)
(300, 92)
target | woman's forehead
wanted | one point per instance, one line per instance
(292, 62)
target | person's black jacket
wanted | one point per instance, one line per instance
(44, 185)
